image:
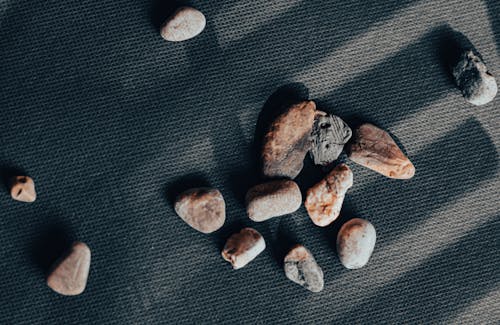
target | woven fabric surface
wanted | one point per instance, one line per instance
(112, 122)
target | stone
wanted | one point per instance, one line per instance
(301, 268)
(69, 275)
(273, 199)
(243, 247)
(185, 23)
(477, 84)
(23, 189)
(329, 135)
(324, 200)
(375, 149)
(287, 141)
(355, 243)
(202, 208)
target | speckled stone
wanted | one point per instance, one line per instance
(375, 149)
(288, 140)
(329, 135)
(301, 268)
(355, 243)
(477, 84)
(203, 209)
(184, 24)
(324, 200)
(23, 189)
(273, 199)
(243, 247)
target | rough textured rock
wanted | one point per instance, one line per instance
(288, 141)
(203, 209)
(355, 243)
(69, 275)
(477, 84)
(301, 268)
(329, 135)
(23, 189)
(324, 200)
(243, 247)
(273, 199)
(375, 149)
(184, 24)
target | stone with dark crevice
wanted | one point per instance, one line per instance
(329, 135)
(23, 189)
(477, 84)
(301, 267)
(242, 247)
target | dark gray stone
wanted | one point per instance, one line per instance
(301, 268)
(329, 135)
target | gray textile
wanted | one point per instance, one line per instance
(111, 122)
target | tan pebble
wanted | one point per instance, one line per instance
(69, 275)
(23, 189)
(301, 268)
(375, 149)
(184, 24)
(243, 247)
(355, 243)
(324, 200)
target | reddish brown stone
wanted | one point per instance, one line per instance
(23, 189)
(324, 200)
(375, 149)
(243, 247)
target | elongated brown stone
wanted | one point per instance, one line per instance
(273, 199)
(301, 268)
(184, 24)
(324, 200)
(69, 275)
(243, 247)
(328, 137)
(375, 149)
(288, 141)
(203, 209)
(23, 189)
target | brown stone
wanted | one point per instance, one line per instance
(288, 141)
(69, 275)
(273, 199)
(23, 189)
(243, 247)
(301, 268)
(203, 209)
(324, 200)
(375, 149)
(184, 24)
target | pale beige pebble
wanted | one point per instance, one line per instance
(301, 267)
(324, 200)
(375, 149)
(273, 199)
(355, 243)
(23, 189)
(185, 23)
(69, 275)
(202, 208)
(243, 247)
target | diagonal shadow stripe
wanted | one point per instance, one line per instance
(439, 287)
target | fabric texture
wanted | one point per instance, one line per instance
(112, 122)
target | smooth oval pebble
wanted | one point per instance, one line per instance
(301, 267)
(184, 24)
(243, 247)
(23, 189)
(202, 208)
(273, 199)
(288, 140)
(375, 149)
(70, 273)
(355, 243)
(329, 135)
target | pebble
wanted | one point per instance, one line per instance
(273, 199)
(355, 243)
(324, 200)
(477, 84)
(243, 247)
(202, 208)
(301, 268)
(23, 189)
(69, 275)
(288, 140)
(375, 149)
(329, 135)
(184, 24)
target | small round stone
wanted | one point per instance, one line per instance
(355, 243)
(273, 199)
(301, 268)
(184, 24)
(243, 247)
(23, 189)
(203, 209)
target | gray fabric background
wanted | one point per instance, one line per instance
(111, 122)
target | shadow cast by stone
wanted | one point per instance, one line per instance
(184, 183)
(162, 9)
(7, 174)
